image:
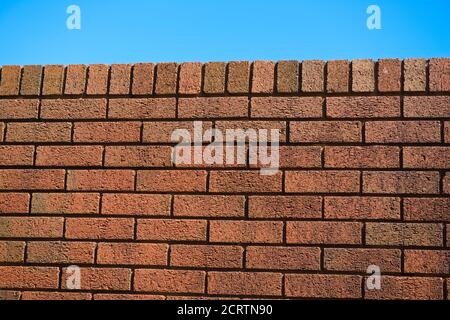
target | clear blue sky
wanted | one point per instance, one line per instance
(119, 31)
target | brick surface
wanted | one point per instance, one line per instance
(43, 252)
(286, 107)
(325, 131)
(363, 76)
(120, 79)
(39, 132)
(101, 279)
(323, 232)
(145, 108)
(171, 229)
(208, 206)
(263, 80)
(136, 204)
(427, 106)
(65, 203)
(389, 75)
(12, 251)
(322, 181)
(31, 81)
(142, 82)
(31, 179)
(238, 79)
(426, 157)
(362, 157)
(75, 80)
(16, 155)
(14, 202)
(190, 78)
(69, 156)
(100, 180)
(338, 76)
(131, 156)
(427, 261)
(263, 207)
(404, 234)
(363, 107)
(245, 283)
(166, 78)
(99, 228)
(132, 254)
(29, 277)
(427, 209)
(362, 208)
(18, 109)
(10, 81)
(214, 78)
(245, 231)
(439, 74)
(53, 80)
(244, 181)
(402, 131)
(313, 76)
(73, 109)
(55, 296)
(171, 181)
(161, 131)
(415, 73)
(401, 182)
(220, 107)
(98, 79)
(206, 256)
(98, 132)
(287, 76)
(176, 281)
(26, 227)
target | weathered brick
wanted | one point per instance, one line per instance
(427, 209)
(60, 252)
(404, 234)
(447, 132)
(362, 157)
(439, 74)
(427, 261)
(238, 80)
(363, 76)
(286, 107)
(99, 228)
(402, 131)
(142, 108)
(19, 109)
(137, 156)
(101, 279)
(362, 208)
(358, 260)
(100, 180)
(16, 155)
(263, 80)
(426, 157)
(300, 157)
(73, 109)
(29, 277)
(53, 80)
(132, 254)
(31, 81)
(69, 156)
(122, 296)
(322, 181)
(10, 295)
(166, 78)
(143, 74)
(323, 232)
(208, 206)
(120, 79)
(228, 231)
(39, 132)
(389, 75)
(98, 132)
(263, 207)
(206, 256)
(171, 229)
(161, 131)
(214, 81)
(10, 81)
(26, 227)
(245, 283)
(323, 286)
(55, 296)
(427, 106)
(136, 204)
(363, 107)
(313, 76)
(65, 203)
(415, 74)
(32, 179)
(213, 107)
(399, 182)
(252, 131)
(75, 79)
(338, 76)
(190, 81)
(14, 202)
(171, 181)
(12, 251)
(325, 131)
(283, 258)
(287, 76)
(244, 181)
(171, 281)
(98, 79)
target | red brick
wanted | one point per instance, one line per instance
(439, 74)
(325, 131)
(362, 157)
(39, 132)
(55, 296)
(142, 108)
(238, 80)
(16, 155)
(65, 203)
(244, 181)
(208, 206)
(323, 286)
(104, 180)
(427, 209)
(214, 81)
(242, 127)
(322, 181)
(53, 80)
(358, 260)
(118, 296)
(75, 79)
(69, 156)
(389, 75)
(427, 261)
(19, 109)
(101, 279)
(427, 106)
(283, 258)
(262, 207)
(73, 109)
(287, 76)
(173, 230)
(170, 281)
(171, 181)
(363, 76)
(120, 79)
(99, 132)
(408, 288)
(300, 157)
(60, 252)
(404, 234)
(2, 129)
(362, 208)
(263, 80)
(447, 132)
(26, 227)
(143, 74)
(363, 107)
(415, 74)
(166, 78)
(228, 231)
(338, 76)
(145, 156)
(323, 232)
(401, 182)
(10, 81)
(426, 157)
(10, 295)
(136, 204)
(206, 256)
(14, 202)
(132, 254)
(403, 131)
(12, 251)
(161, 131)
(99, 228)
(245, 283)
(31, 179)
(313, 76)
(98, 79)
(31, 81)
(286, 107)
(213, 107)
(190, 78)
(29, 278)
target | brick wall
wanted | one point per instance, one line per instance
(86, 179)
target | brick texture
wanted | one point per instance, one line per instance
(87, 178)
